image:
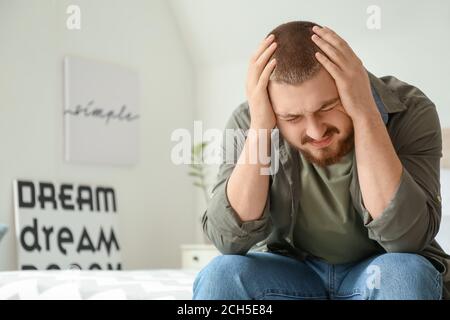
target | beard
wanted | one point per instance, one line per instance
(329, 155)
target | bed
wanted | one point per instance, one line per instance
(164, 284)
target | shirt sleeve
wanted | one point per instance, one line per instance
(411, 220)
(220, 221)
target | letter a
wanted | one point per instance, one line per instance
(74, 20)
(374, 20)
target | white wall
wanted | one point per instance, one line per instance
(412, 44)
(159, 209)
(155, 198)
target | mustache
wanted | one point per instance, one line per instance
(330, 130)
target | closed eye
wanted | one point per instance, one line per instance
(329, 108)
(293, 119)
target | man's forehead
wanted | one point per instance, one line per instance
(295, 109)
(305, 97)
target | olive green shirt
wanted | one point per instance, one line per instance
(408, 224)
(327, 225)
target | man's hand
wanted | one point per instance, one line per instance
(261, 112)
(352, 80)
(379, 168)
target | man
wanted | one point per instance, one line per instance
(355, 206)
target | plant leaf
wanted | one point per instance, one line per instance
(197, 170)
(199, 147)
(198, 184)
(195, 174)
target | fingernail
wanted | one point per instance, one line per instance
(316, 28)
(270, 37)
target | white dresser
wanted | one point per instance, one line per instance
(196, 256)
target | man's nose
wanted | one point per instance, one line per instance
(315, 129)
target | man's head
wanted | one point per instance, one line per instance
(305, 98)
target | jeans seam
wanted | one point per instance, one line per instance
(439, 284)
(278, 292)
(331, 279)
(328, 282)
(348, 295)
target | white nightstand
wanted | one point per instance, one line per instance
(196, 256)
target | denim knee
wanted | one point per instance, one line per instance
(406, 276)
(221, 279)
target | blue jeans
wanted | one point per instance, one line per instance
(269, 276)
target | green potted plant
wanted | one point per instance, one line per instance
(198, 171)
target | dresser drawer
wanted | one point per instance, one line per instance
(197, 256)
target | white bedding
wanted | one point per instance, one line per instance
(81, 284)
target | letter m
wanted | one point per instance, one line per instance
(109, 197)
(108, 243)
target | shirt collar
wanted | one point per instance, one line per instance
(380, 105)
(386, 99)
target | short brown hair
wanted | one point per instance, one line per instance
(295, 53)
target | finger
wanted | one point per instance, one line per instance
(264, 58)
(333, 69)
(334, 54)
(346, 47)
(263, 46)
(332, 37)
(265, 75)
(259, 65)
(252, 78)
